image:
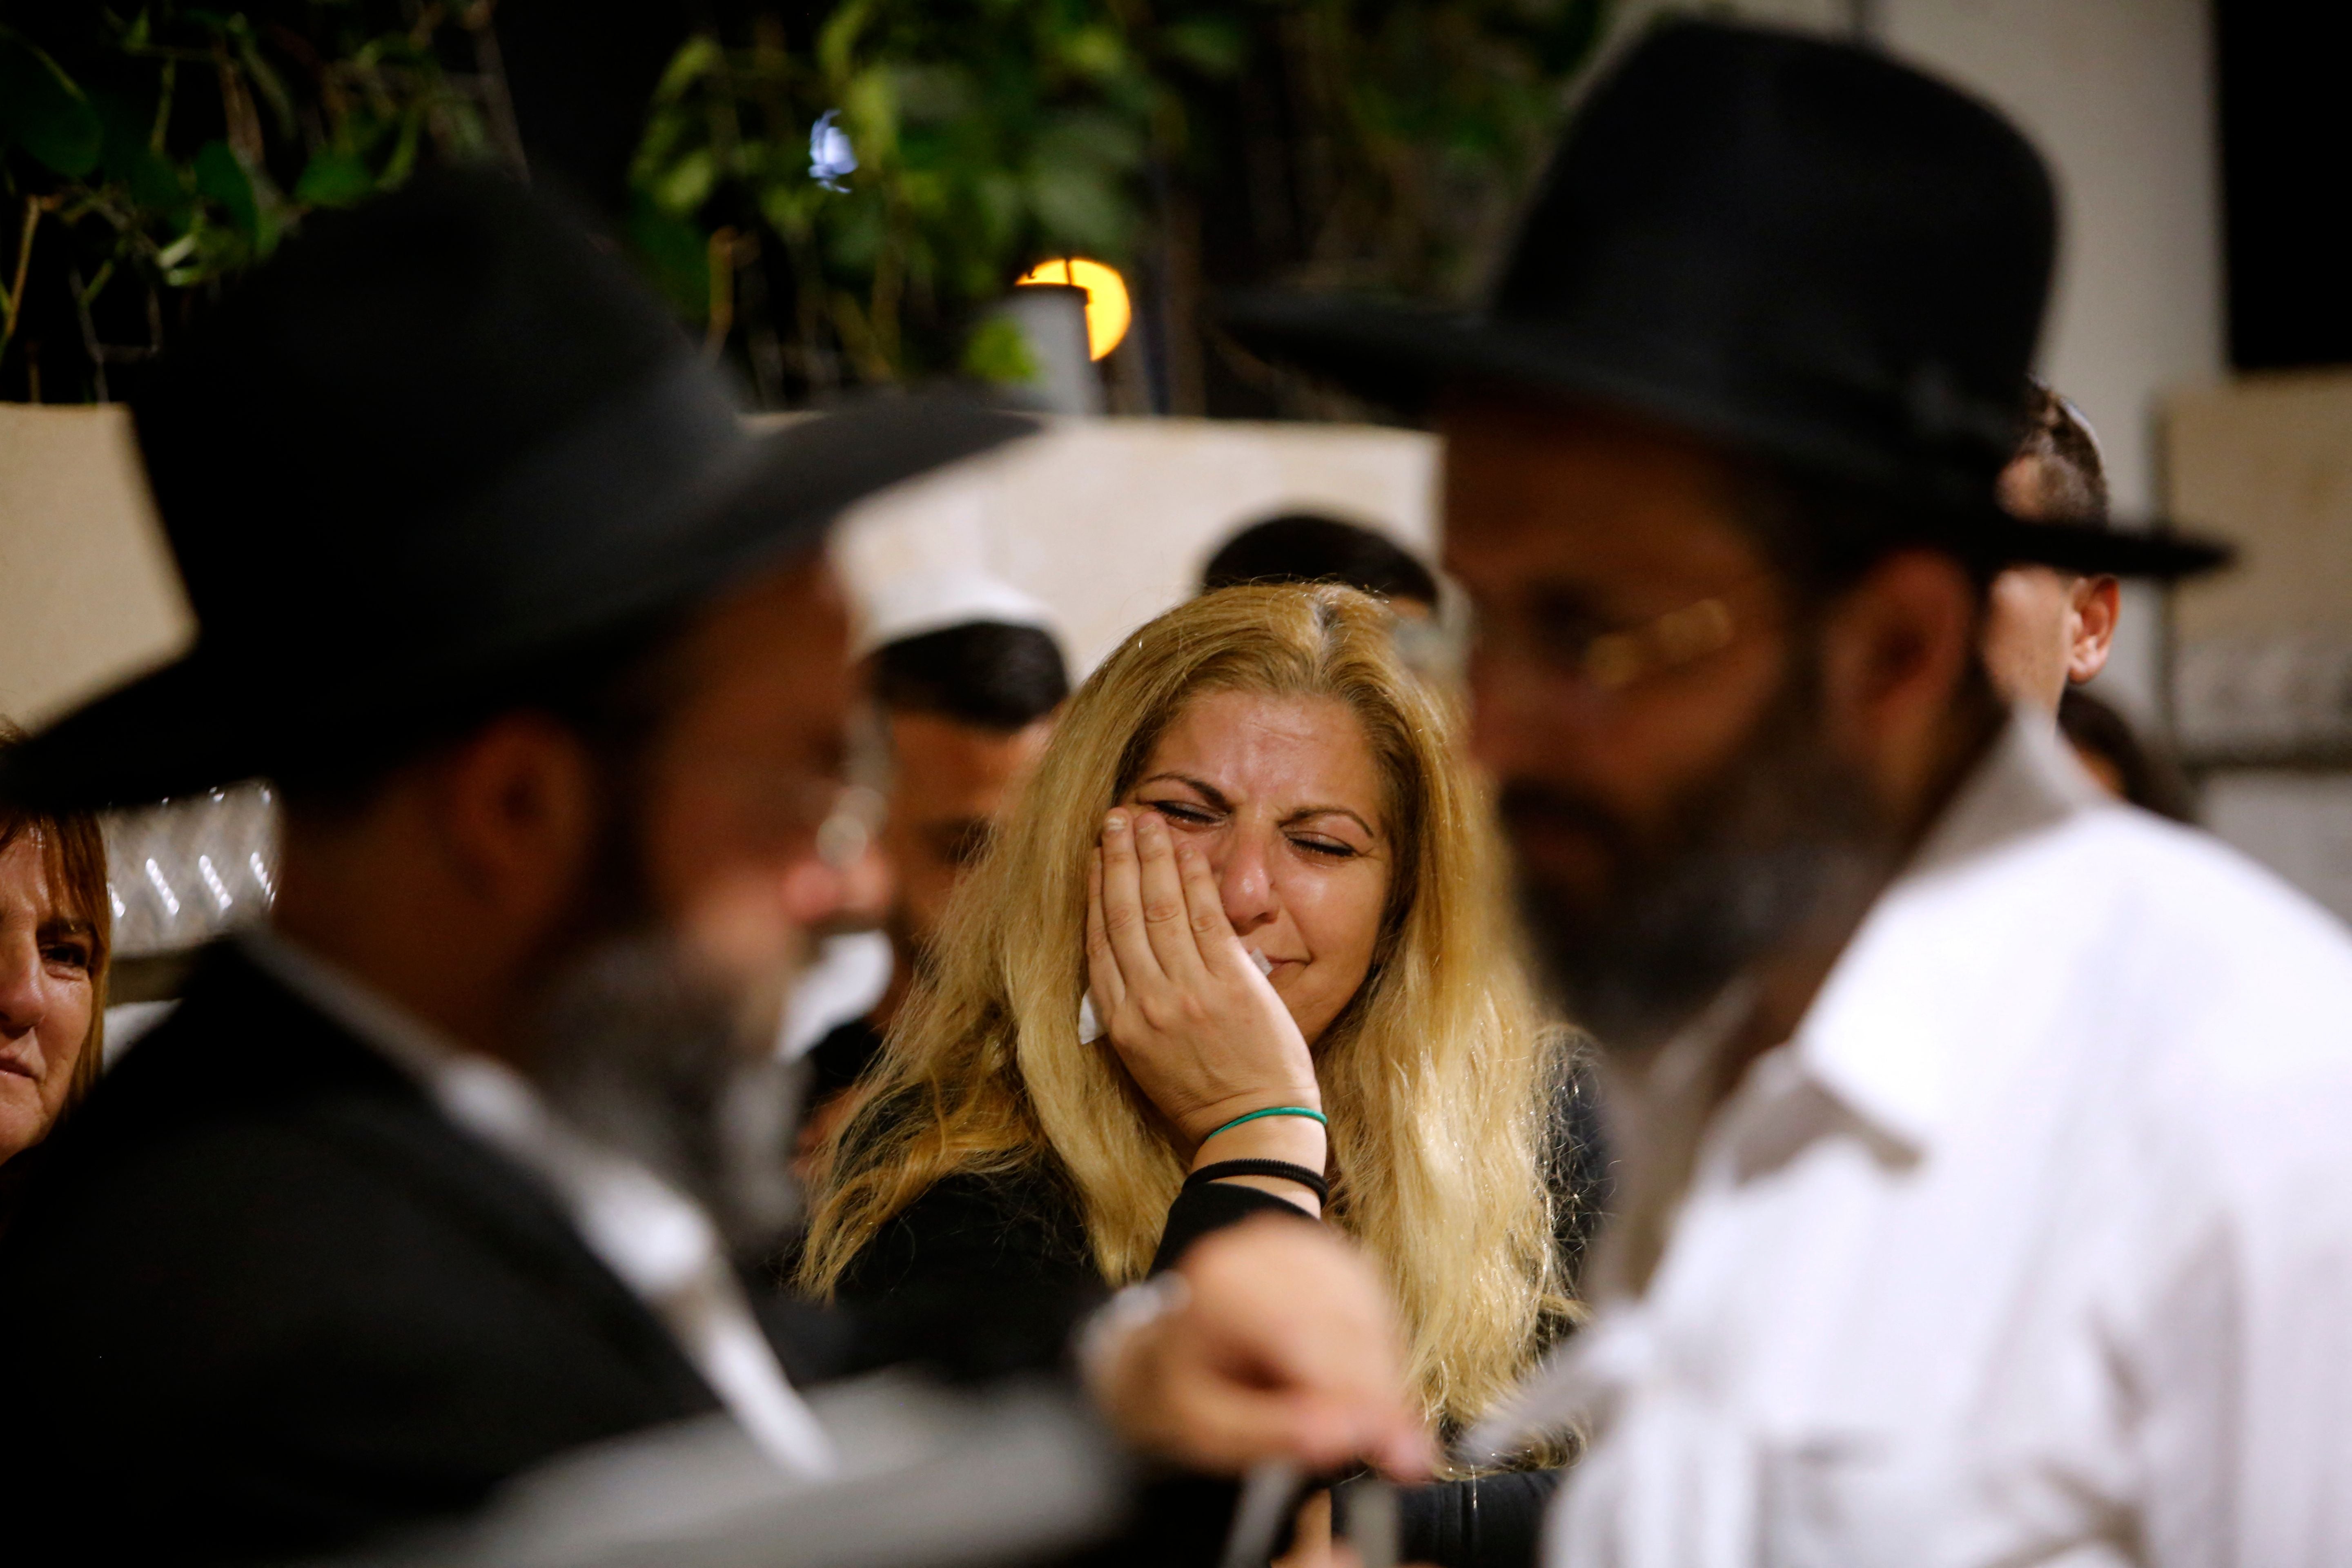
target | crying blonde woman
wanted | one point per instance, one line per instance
(1254, 861)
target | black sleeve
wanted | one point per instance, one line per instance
(975, 1234)
(1213, 1206)
(1580, 1167)
(1490, 1521)
(841, 1058)
(979, 1278)
(983, 1277)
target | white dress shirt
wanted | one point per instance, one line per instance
(2034, 1246)
(658, 1241)
(848, 975)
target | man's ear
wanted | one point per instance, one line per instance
(2093, 609)
(1896, 651)
(520, 807)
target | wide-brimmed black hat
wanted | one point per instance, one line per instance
(437, 440)
(1795, 247)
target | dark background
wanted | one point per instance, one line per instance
(2286, 177)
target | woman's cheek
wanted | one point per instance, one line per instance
(65, 1029)
(1340, 916)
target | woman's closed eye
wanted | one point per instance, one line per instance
(1194, 814)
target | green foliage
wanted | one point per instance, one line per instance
(42, 110)
(997, 351)
(987, 133)
(148, 153)
(991, 134)
(1440, 113)
(150, 150)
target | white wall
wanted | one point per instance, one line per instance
(87, 591)
(2298, 824)
(1108, 521)
(2118, 96)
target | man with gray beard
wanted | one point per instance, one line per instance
(445, 1174)
(1985, 1196)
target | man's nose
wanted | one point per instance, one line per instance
(1504, 711)
(1243, 865)
(814, 890)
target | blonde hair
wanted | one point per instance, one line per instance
(1437, 1079)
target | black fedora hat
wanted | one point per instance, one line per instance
(437, 440)
(1795, 247)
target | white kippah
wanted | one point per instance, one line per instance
(920, 602)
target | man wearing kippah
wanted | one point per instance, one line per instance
(966, 673)
(1985, 1189)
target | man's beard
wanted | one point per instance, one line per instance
(1776, 844)
(648, 1051)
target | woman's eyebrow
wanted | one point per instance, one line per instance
(1207, 791)
(1305, 812)
(67, 926)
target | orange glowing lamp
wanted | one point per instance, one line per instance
(1108, 309)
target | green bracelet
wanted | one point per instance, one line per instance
(1271, 1110)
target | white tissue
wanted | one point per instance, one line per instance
(1091, 1029)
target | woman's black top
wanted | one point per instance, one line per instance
(975, 1232)
(974, 1236)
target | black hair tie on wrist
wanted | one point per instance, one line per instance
(1281, 1169)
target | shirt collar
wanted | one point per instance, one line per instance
(411, 1044)
(1885, 1036)
(648, 1232)
(655, 1240)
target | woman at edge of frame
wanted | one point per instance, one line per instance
(55, 921)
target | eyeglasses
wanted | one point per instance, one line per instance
(792, 815)
(840, 810)
(1608, 658)
(849, 825)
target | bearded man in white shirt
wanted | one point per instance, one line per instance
(1985, 1193)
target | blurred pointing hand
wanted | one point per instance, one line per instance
(1280, 1345)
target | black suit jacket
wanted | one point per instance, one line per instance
(267, 1301)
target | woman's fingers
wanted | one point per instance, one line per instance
(1122, 904)
(1103, 978)
(1212, 934)
(1167, 907)
(1311, 1534)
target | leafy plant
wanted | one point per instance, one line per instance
(1411, 130)
(985, 133)
(148, 152)
(1199, 144)
(146, 155)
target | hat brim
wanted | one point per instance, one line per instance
(1404, 358)
(201, 721)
